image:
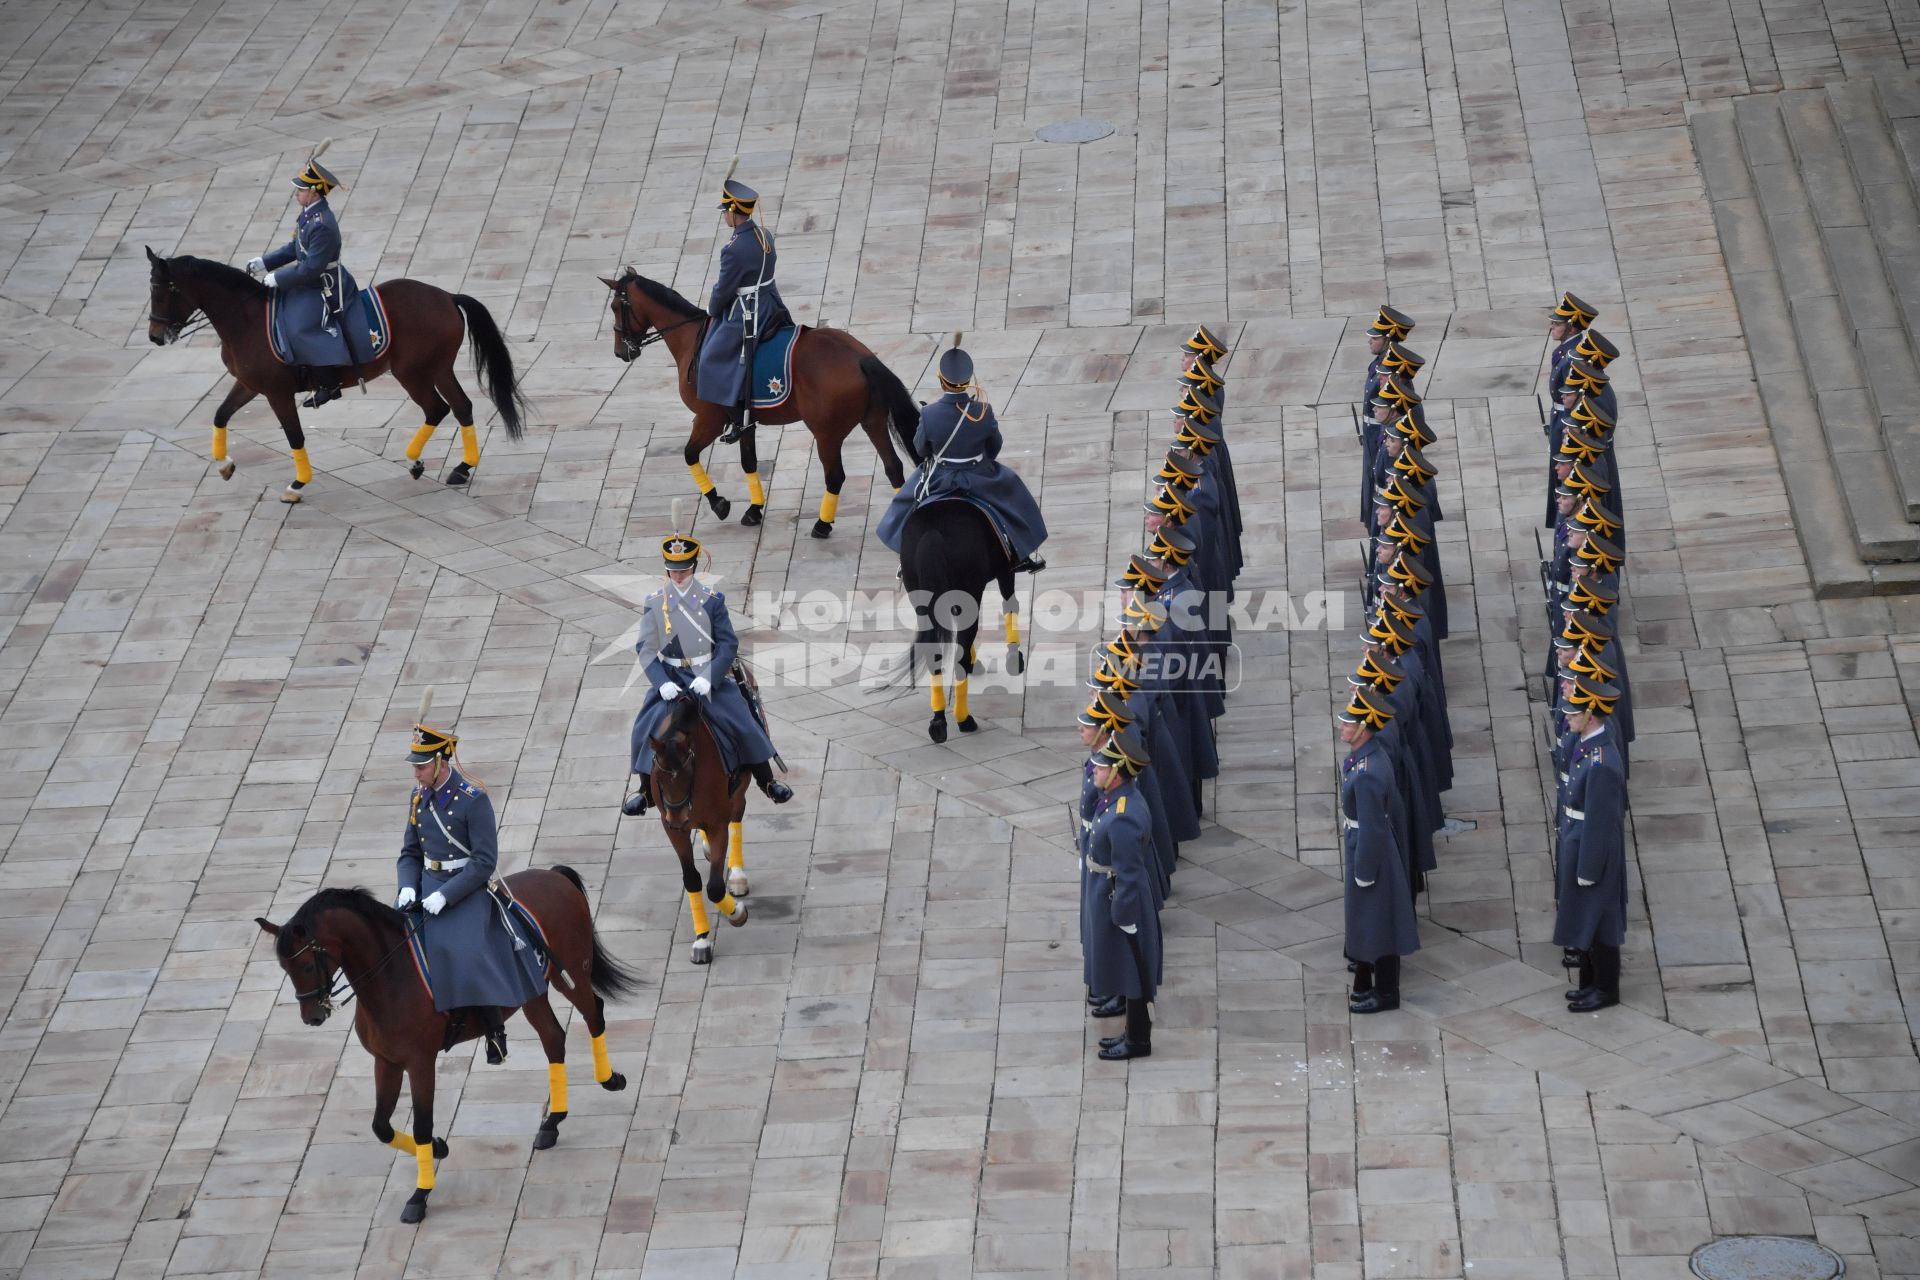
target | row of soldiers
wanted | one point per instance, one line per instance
(1155, 690)
(1395, 722)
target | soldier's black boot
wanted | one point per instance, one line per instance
(1605, 992)
(638, 803)
(1138, 1040)
(1583, 982)
(1382, 990)
(496, 1035)
(1106, 1007)
(324, 382)
(778, 792)
(1029, 564)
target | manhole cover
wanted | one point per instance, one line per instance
(1766, 1258)
(1081, 130)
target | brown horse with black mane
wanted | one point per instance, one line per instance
(349, 936)
(423, 345)
(838, 384)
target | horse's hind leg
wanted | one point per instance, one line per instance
(1010, 606)
(706, 429)
(240, 395)
(756, 491)
(717, 891)
(289, 415)
(425, 1146)
(829, 450)
(433, 411)
(554, 1040)
(962, 711)
(447, 385)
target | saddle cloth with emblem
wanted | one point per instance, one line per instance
(773, 367)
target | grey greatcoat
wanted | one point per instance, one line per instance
(1117, 851)
(959, 438)
(1591, 845)
(300, 267)
(449, 848)
(686, 633)
(1379, 902)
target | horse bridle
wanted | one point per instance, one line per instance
(685, 802)
(628, 347)
(176, 329)
(330, 986)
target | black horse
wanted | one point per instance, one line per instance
(949, 552)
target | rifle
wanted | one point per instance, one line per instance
(1354, 413)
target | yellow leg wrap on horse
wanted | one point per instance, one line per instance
(469, 445)
(556, 1086)
(219, 444)
(424, 1154)
(939, 694)
(697, 903)
(602, 1065)
(830, 506)
(960, 700)
(1013, 627)
(698, 471)
(302, 469)
(728, 907)
(402, 1142)
(736, 845)
(418, 445)
(756, 490)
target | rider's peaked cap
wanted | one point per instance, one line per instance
(737, 196)
(956, 369)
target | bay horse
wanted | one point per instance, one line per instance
(949, 552)
(838, 384)
(694, 792)
(349, 936)
(422, 344)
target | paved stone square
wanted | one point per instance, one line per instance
(888, 1071)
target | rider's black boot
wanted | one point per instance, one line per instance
(778, 792)
(496, 1035)
(1029, 564)
(638, 803)
(736, 424)
(325, 385)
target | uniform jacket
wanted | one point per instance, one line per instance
(1121, 840)
(744, 286)
(306, 324)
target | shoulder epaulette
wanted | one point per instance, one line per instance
(1121, 807)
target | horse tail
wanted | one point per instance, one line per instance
(493, 362)
(611, 979)
(902, 412)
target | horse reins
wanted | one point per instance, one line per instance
(182, 328)
(330, 985)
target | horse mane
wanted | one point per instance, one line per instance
(215, 273)
(665, 295)
(686, 713)
(357, 900)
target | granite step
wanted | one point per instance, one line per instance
(1806, 197)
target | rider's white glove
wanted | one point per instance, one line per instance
(434, 903)
(405, 899)
(1130, 928)
(268, 280)
(1584, 884)
(702, 686)
(669, 691)
(256, 267)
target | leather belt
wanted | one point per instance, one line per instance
(451, 864)
(960, 462)
(1098, 869)
(1574, 815)
(684, 664)
(1347, 824)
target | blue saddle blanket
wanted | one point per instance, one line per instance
(370, 332)
(773, 367)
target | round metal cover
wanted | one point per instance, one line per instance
(1084, 129)
(1766, 1258)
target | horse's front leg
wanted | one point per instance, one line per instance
(717, 888)
(289, 415)
(706, 429)
(554, 1040)
(237, 397)
(425, 1146)
(682, 842)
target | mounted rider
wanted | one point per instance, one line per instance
(959, 438)
(687, 646)
(478, 959)
(745, 307)
(318, 296)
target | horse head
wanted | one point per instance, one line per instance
(674, 757)
(630, 329)
(332, 927)
(305, 960)
(168, 310)
(645, 312)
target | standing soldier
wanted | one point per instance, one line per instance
(476, 961)
(1379, 902)
(1567, 322)
(1590, 848)
(1125, 924)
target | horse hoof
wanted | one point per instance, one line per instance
(459, 475)
(703, 950)
(418, 469)
(755, 514)
(737, 883)
(1016, 660)
(739, 917)
(439, 1148)
(291, 494)
(415, 1209)
(718, 505)
(968, 725)
(614, 1083)
(227, 469)
(937, 728)
(821, 528)
(545, 1138)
